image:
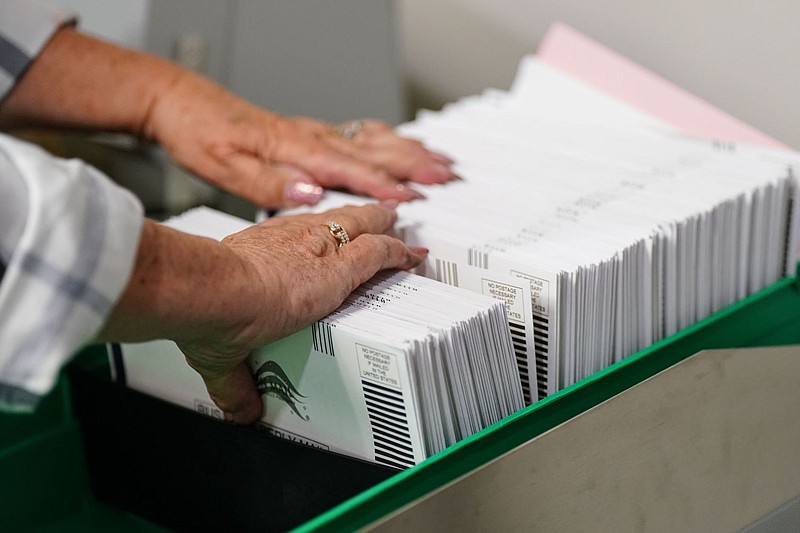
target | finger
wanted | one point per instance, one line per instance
(359, 220)
(344, 171)
(235, 393)
(332, 168)
(403, 158)
(269, 185)
(371, 253)
(413, 165)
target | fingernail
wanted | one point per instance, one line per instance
(411, 194)
(440, 158)
(419, 250)
(390, 204)
(442, 172)
(303, 193)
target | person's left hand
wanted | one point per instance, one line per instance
(274, 161)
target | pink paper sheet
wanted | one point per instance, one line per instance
(567, 49)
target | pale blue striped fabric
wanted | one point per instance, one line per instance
(68, 235)
(25, 27)
(68, 238)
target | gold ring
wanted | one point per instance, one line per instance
(349, 129)
(338, 232)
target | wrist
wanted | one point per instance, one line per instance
(183, 288)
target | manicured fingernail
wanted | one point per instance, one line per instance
(390, 204)
(440, 158)
(410, 193)
(419, 250)
(302, 193)
(443, 173)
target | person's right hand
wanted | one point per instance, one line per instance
(219, 301)
(298, 275)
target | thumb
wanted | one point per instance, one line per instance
(235, 393)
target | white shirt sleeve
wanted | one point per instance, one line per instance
(68, 240)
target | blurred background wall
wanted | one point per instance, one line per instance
(741, 55)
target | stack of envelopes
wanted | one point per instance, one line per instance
(625, 229)
(405, 367)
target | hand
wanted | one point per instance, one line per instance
(297, 274)
(263, 157)
(276, 161)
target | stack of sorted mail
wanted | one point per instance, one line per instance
(404, 368)
(625, 229)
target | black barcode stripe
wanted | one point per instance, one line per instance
(387, 418)
(384, 407)
(391, 454)
(322, 338)
(519, 343)
(520, 333)
(384, 443)
(387, 447)
(541, 337)
(400, 432)
(374, 405)
(385, 440)
(515, 326)
(382, 389)
(393, 464)
(392, 400)
(389, 415)
(391, 435)
(381, 394)
(521, 353)
(447, 272)
(477, 258)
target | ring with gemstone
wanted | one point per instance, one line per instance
(338, 232)
(349, 129)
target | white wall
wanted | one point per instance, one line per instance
(121, 21)
(743, 56)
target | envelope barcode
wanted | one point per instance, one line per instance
(541, 336)
(447, 272)
(518, 336)
(322, 338)
(389, 424)
(477, 258)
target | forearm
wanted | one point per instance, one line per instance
(182, 288)
(81, 82)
